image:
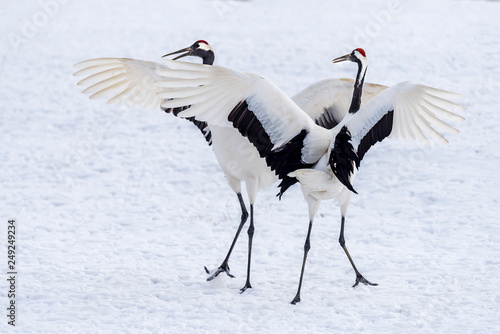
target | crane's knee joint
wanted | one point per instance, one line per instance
(251, 231)
(342, 241)
(307, 246)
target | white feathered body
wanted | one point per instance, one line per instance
(240, 161)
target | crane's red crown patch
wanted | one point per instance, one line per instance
(359, 50)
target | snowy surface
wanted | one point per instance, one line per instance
(119, 209)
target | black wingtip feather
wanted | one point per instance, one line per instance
(283, 160)
(378, 132)
(202, 126)
(327, 119)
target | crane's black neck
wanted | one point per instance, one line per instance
(208, 58)
(358, 88)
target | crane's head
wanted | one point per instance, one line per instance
(357, 55)
(200, 49)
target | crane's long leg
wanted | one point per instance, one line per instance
(359, 277)
(224, 267)
(250, 232)
(307, 247)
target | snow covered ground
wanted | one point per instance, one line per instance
(119, 209)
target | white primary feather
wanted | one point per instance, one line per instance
(415, 117)
(333, 96)
(123, 80)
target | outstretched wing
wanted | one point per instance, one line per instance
(403, 111)
(130, 81)
(282, 133)
(122, 80)
(327, 102)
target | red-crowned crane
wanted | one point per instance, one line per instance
(231, 152)
(324, 161)
(135, 82)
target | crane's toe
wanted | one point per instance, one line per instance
(296, 299)
(361, 279)
(247, 285)
(213, 274)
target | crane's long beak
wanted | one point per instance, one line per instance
(347, 57)
(188, 51)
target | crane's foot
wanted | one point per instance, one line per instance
(247, 285)
(296, 299)
(216, 272)
(361, 279)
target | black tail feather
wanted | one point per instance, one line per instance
(343, 158)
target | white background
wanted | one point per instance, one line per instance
(120, 208)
